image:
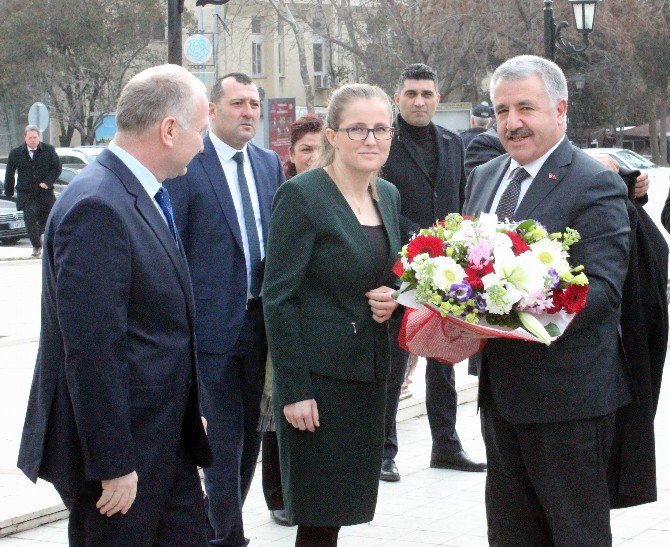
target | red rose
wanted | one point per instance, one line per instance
(574, 298)
(424, 244)
(557, 304)
(518, 244)
(474, 274)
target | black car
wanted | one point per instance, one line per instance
(12, 225)
(65, 178)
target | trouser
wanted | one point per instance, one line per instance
(174, 518)
(441, 400)
(271, 471)
(231, 390)
(547, 483)
(36, 207)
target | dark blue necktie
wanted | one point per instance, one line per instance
(163, 200)
(250, 224)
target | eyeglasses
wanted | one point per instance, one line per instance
(361, 133)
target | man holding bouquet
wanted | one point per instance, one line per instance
(548, 411)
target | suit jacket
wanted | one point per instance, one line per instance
(46, 168)
(581, 375)
(484, 147)
(206, 219)
(424, 201)
(317, 273)
(114, 386)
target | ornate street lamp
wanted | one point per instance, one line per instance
(584, 12)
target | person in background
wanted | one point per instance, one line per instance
(305, 137)
(481, 117)
(38, 169)
(334, 237)
(426, 165)
(113, 419)
(222, 211)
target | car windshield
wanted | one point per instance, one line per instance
(635, 160)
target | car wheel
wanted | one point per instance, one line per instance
(10, 240)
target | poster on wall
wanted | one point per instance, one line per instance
(281, 112)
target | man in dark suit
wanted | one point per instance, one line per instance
(426, 165)
(548, 411)
(480, 118)
(39, 167)
(113, 419)
(222, 209)
(484, 147)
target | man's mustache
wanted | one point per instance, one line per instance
(523, 132)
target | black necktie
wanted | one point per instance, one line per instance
(163, 200)
(250, 224)
(510, 197)
(32, 153)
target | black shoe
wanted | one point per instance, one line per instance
(279, 516)
(459, 461)
(389, 472)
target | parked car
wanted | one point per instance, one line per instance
(65, 178)
(12, 224)
(79, 155)
(633, 160)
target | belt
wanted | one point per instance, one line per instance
(255, 304)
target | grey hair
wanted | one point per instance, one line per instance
(155, 93)
(30, 128)
(339, 101)
(523, 66)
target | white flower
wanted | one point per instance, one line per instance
(533, 325)
(446, 272)
(524, 272)
(551, 254)
(500, 295)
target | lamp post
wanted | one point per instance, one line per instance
(584, 12)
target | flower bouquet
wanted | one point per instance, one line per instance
(465, 280)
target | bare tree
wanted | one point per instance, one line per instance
(77, 54)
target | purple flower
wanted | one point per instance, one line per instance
(460, 291)
(480, 303)
(554, 278)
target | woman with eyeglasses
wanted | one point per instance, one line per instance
(305, 138)
(333, 240)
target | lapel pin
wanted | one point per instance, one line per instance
(552, 176)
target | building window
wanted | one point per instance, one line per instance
(158, 31)
(317, 54)
(257, 56)
(281, 62)
(256, 25)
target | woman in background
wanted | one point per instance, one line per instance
(305, 135)
(333, 240)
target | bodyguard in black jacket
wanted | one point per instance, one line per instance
(39, 167)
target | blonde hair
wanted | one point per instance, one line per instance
(339, 101)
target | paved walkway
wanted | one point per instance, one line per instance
(430, 506)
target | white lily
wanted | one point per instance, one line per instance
(533, 325)
(524, 272)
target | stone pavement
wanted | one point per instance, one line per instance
(432, 506)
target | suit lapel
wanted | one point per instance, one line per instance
(263, 189)
(212, 166)
(411, 151)
(550, 175)
(385, 208)
(148, 211)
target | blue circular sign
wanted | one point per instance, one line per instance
(198, 49)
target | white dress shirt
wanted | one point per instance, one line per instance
(229, 166)
(532, 168)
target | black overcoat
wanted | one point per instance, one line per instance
(644, 326)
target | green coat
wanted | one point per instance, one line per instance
(325, 345)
